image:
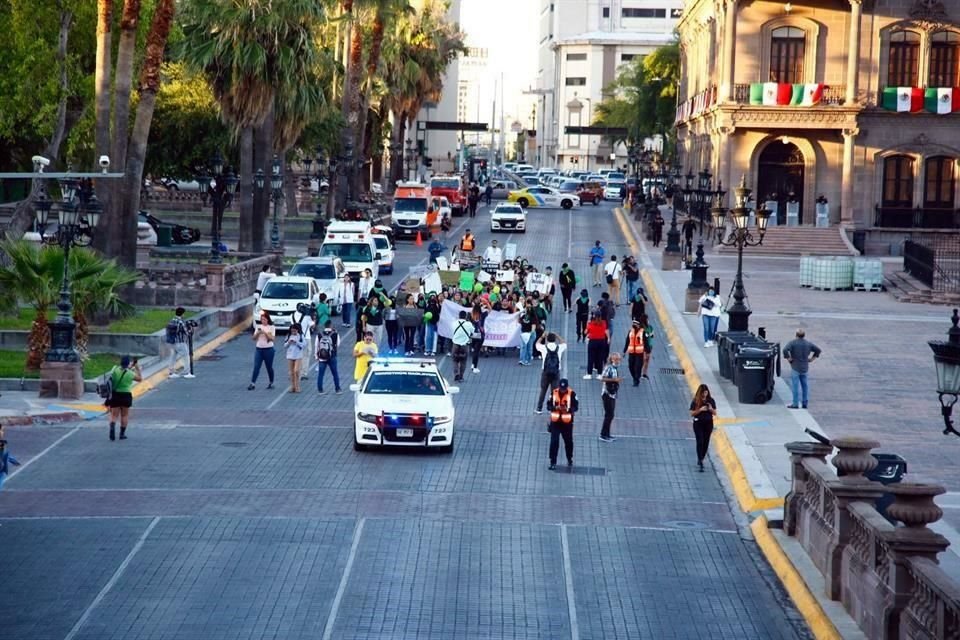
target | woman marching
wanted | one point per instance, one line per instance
(702, 408)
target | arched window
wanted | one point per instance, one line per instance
(903, 63)
(898, 182)
(939, 183)
(787, 47)
(944, 59)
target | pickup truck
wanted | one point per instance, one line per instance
(453, 189)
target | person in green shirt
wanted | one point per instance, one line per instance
(323, 311)
(122, 379)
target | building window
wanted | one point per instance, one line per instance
(940, 183)
(643, 13)
(606, 12)
(575, 82)
(898, 182)
(787, 46)
(903, 66)
(576, 56)
(627, 57)
(944, 54)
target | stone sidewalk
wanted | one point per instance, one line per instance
(875, 378)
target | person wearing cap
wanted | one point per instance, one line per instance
(562, 405)
(611, 385)
(634, 348)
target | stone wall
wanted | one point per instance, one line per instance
(200, 284)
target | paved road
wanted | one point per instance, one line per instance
(235, 514)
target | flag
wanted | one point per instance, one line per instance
(812, 94)
(796, 94)
(756, 93)
(942, 100)
(903, 99)
(777, 93)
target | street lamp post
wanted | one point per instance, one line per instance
(220, 188)
(79, 213)
(946, 358)
(742, 236)
(276, 194)
(673, 254)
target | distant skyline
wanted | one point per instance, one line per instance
(508, 30)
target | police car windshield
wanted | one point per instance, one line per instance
(415, 383)
(410, 204)
(315, 271)
(445, 183)
(285, 291)
(347, 251)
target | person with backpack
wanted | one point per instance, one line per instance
(462, 335)
(551, 348)
(120, 381)
(176, 337)
(327, 343)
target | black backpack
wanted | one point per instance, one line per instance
(551, 361)
(325, 347)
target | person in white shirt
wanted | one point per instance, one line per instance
(613, 270)
(365, 284)
(263, 278)
(493, 255)
(709, 307)
(462, 334)
(349, 298)
(304, 319)
(551, 348)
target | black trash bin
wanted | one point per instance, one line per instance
(890, 469)
(754, 374)
(860, 241)
(728, 344)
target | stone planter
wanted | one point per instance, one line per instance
(913, 504)
(853, 457)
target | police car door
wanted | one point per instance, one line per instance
(550, 197)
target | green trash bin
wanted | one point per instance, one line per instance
(164, 236)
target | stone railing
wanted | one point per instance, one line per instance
(200, 284)
(884, 574)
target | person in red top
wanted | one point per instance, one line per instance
(598, 343)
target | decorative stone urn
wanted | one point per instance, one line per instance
(853, 457)
(913, 503)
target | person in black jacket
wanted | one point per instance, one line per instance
(583, 314)
(568, 280)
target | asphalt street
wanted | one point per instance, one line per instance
(247, 514)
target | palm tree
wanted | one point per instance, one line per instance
(95, 286)
(27, 278)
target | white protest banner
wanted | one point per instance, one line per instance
(484, 277)
(421, 271)
(501, 329)
(510, 252)
(442, 263)
(449, 314)
(432, 283)
(505, 275)
(538, 282)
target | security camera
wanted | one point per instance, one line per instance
(39, 162)
(104, 162)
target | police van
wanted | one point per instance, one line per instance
(354, 244)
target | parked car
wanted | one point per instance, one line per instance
(502, 187)
(172, 184)
(327, 272)
(612, 190)
(591, 192)
(179, 233)
(282, 295)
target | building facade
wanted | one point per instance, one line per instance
(849, 104)
(582, 45)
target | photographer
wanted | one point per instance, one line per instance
(179, 333)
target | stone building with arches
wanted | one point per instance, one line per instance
(852, 102)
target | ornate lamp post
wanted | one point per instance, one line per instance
(742, 236)
(319, 222)
(276, 195)
(220, 188)
(946, 359)
(79, 213)
(673, 254)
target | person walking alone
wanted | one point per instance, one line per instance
(596, 263)
(568, 281)
(631, 272)
(461, 336)
(263, 337)
(177, 337)
(634, 348)
(583, 314)
(709, 307)
(598, 343)
(551, 348)
(364, 351)
(562, 405)
(611, 385)
(122, 379)
(702, 408)
(800, 352)
(295, 346)
(6, 459)
(612, 271)
(349, 297)
(328, 341)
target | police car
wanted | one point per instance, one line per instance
(508, 217)
(282, 295)
(534, 196)
(403, 402)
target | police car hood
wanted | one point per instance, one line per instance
(507, 213)
(375, 404)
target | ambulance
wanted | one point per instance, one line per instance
(354, 244)
(413, 211)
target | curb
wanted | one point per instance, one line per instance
(40, 418)
(813, 614)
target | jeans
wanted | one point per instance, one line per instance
(702, 433)
(609, 407)
(430, 338)
(393, 334)
(547, 381)
(798, 382)
(526, 348)
(322, 370)
(347, 309)
(558, 430)
(710, 327)
(179, 350)
(263, 356)
(632, 286)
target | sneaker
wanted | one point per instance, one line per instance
(645, 377)
(475, 370)
(173, 375)
(251, 387)
(338, 391)
(570, 463)
(605, 439)
(270, 386)
(539, 412)
(301, 377)
(700, 467)
(189, 376)
(706, 344)
(587, 377)
(321, 392)
(792, 406)
(552, 466)
(598, 377)
(803, 406)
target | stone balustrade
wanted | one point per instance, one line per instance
(200, 284)
(885, 575)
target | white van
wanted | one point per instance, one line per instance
(353, 243)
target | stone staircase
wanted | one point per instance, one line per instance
(797, 241)
(905, 288)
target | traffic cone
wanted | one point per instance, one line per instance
(419, 240)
